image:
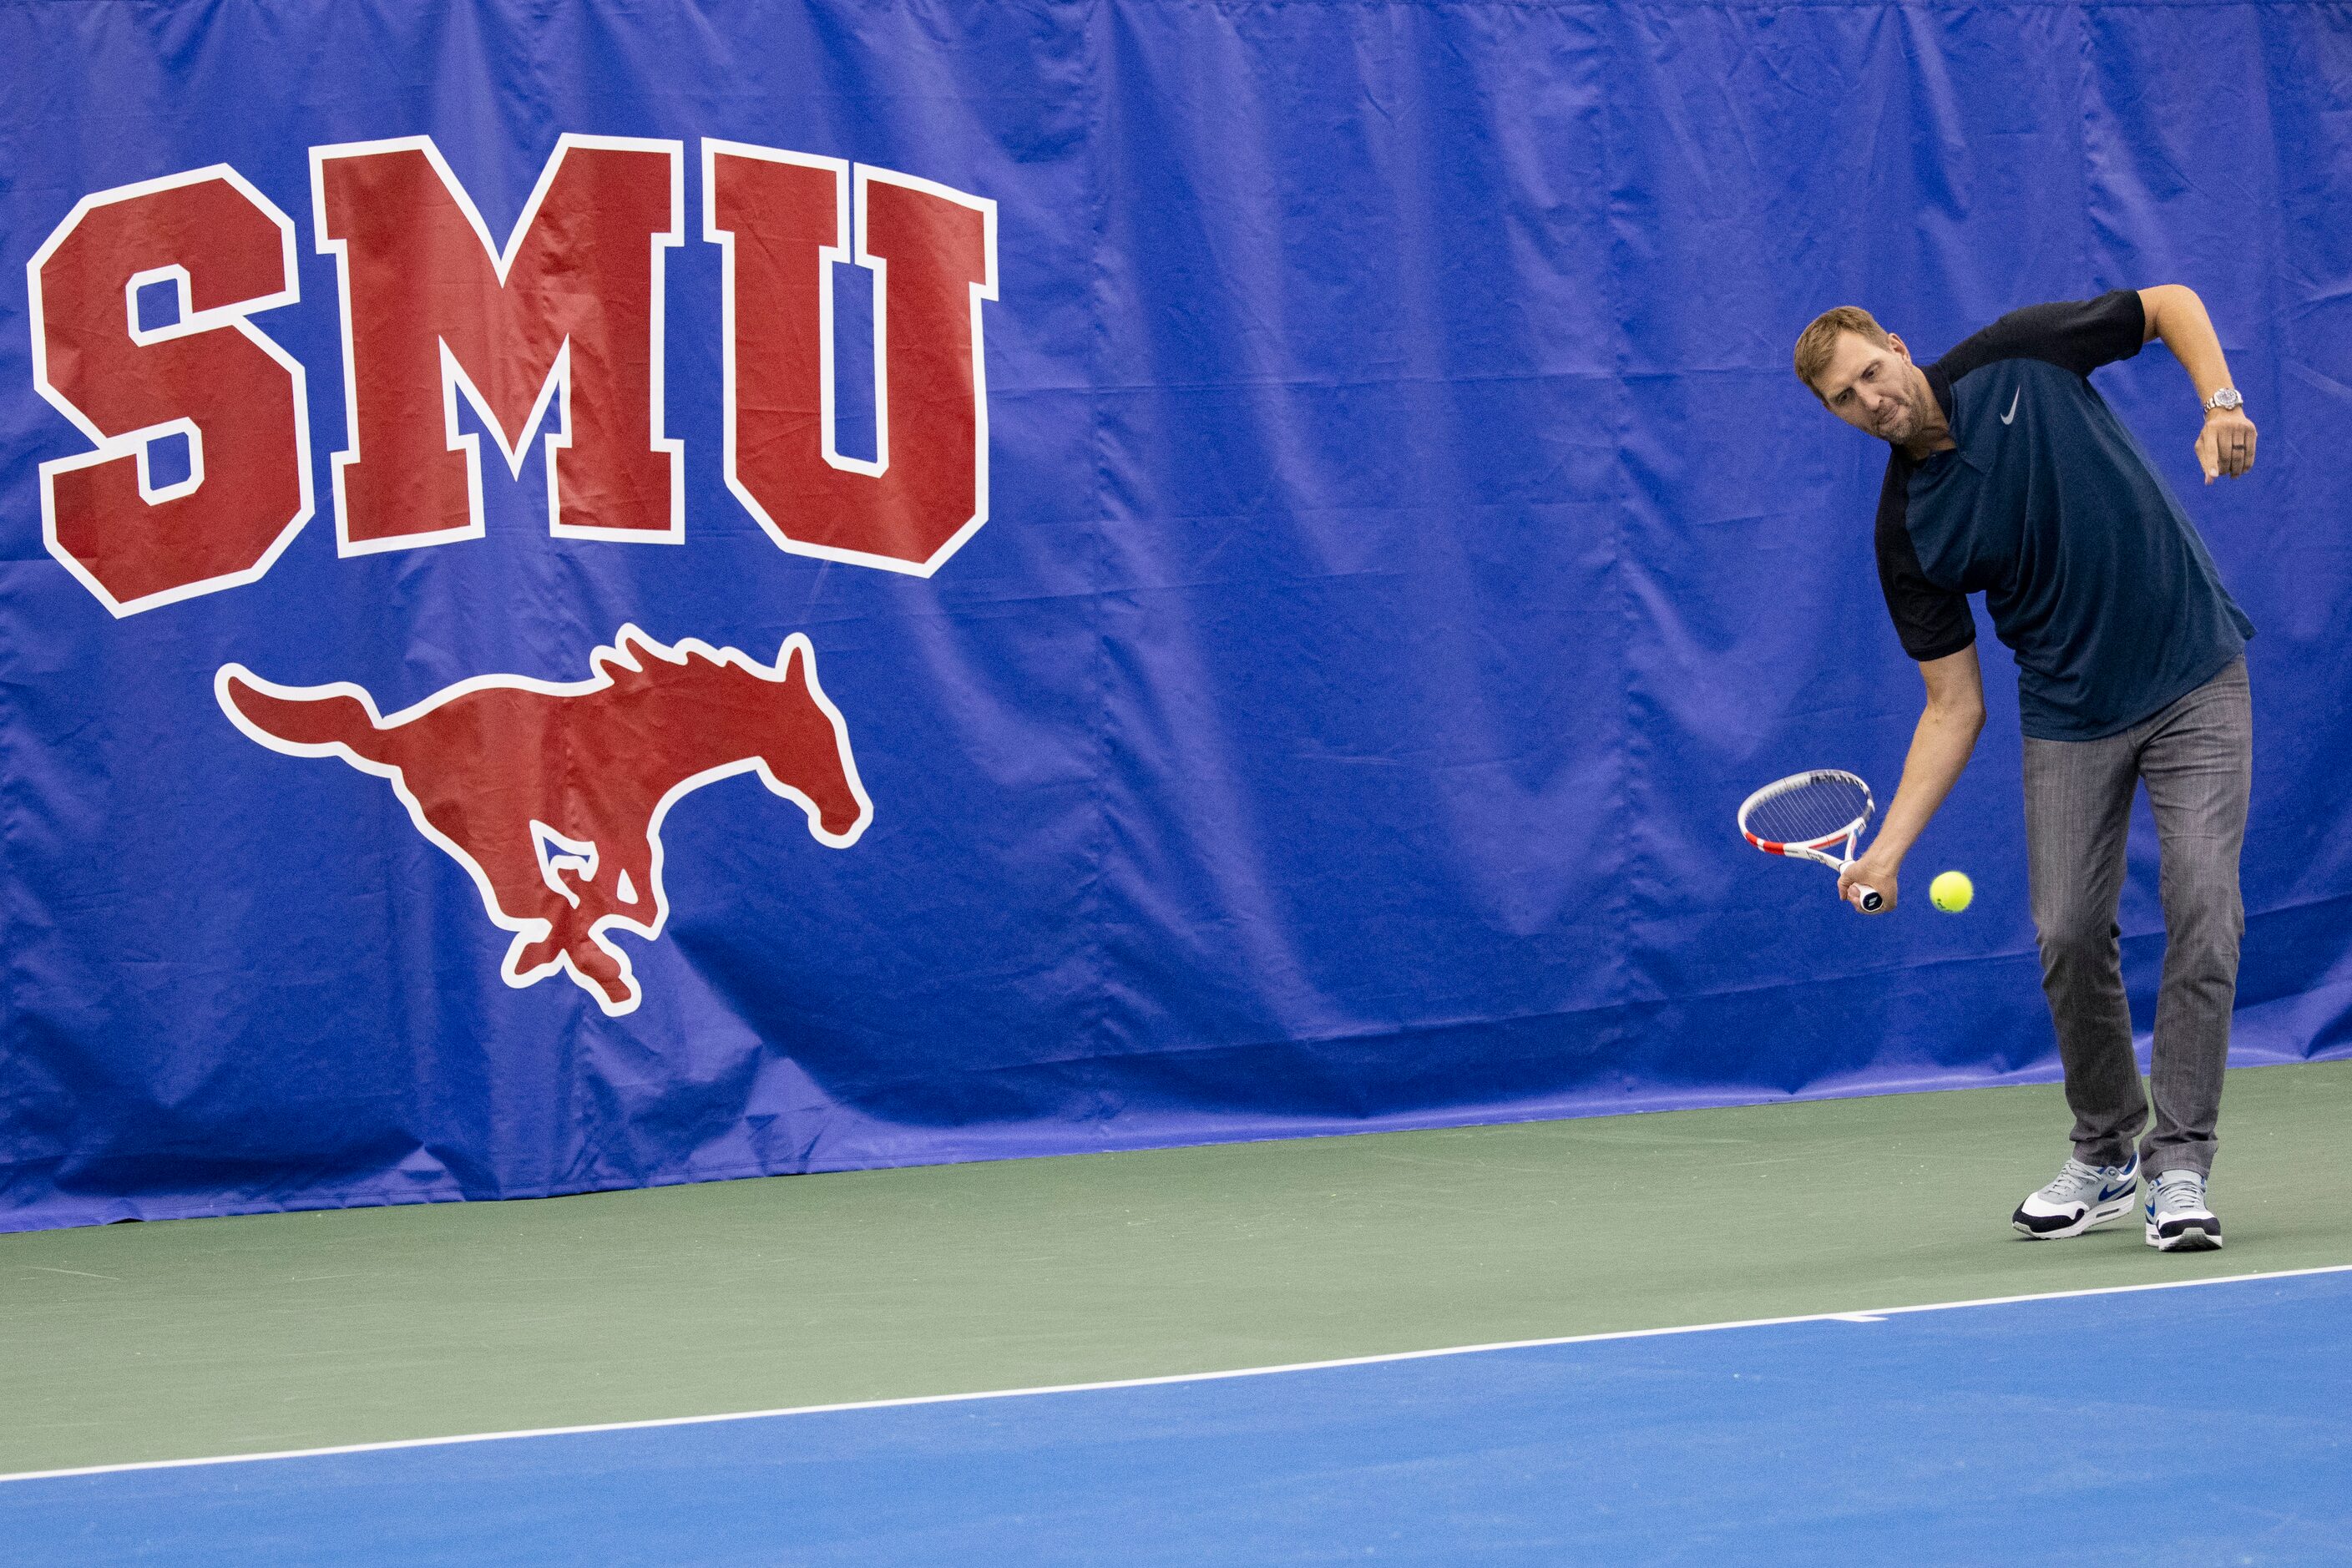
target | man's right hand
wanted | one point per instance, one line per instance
(1879, 877)
(1947, 733)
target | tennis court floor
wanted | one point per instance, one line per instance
(1754, 1352)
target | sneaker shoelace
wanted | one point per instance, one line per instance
(2074, 1179)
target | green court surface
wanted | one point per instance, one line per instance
(284, 1331)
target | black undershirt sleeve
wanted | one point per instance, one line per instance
(2079, 336)
(1932, 623)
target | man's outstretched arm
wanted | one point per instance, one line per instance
(2175, 314)
(1941, 747)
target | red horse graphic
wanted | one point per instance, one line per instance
(553, 796)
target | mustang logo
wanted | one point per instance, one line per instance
(551, 795)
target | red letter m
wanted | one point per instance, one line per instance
(572, 304)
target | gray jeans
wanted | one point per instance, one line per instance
(2196, 758)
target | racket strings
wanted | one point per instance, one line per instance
(1815, 809)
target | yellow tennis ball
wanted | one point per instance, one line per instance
(1951, 892)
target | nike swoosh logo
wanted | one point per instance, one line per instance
(2012, 406)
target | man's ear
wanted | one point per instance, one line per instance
(1899, 346)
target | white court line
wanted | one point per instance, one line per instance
(1868, 1315)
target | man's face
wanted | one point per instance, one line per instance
(1873, 387)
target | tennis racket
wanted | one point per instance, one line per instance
(1811, 817)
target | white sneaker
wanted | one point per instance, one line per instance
(2177, 1220)
(2080, 1198)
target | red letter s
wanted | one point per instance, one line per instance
(210, 376)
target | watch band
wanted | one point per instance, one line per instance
(2224, 398)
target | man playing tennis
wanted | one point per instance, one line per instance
(2011, 477)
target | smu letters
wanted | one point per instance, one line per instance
(572, 308)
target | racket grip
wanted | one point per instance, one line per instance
(1871, 903)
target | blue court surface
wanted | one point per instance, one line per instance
(2205, 1424)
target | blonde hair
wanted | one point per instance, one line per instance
(1818, 341)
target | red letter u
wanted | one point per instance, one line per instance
(784, 218)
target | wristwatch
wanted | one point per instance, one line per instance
(2225, 398)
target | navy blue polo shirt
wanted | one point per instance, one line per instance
(2090, 569)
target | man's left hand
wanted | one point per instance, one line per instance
(2226, 445)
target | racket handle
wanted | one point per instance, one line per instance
(1871, 903)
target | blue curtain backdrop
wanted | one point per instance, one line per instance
(1407, 546)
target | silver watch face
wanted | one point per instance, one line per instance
(2226, 398)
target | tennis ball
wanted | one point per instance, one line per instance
(1951, 892)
